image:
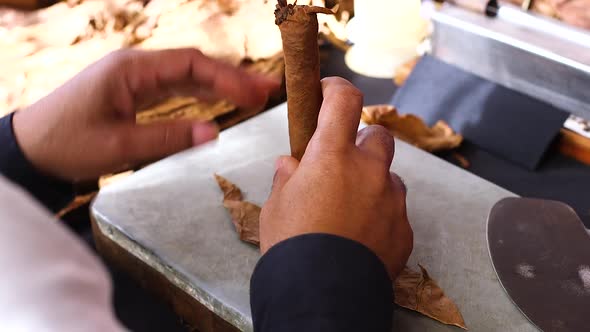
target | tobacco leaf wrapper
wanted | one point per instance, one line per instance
(245, 215)
(413, 290)
(417, 291)
(299, 32)
(412, 129)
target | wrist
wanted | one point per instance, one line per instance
(317, 279)
(32, 140)
(15, 166)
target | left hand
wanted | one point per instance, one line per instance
(86, 128)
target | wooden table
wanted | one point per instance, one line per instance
(194, 314)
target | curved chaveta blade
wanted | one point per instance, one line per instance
(541, 252)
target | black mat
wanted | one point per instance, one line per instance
(506, 123)
(558, 177)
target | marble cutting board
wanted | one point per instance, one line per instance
(170, 216)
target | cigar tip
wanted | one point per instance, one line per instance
(283, 10)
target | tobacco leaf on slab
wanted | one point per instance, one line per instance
(418, 292)
(245, 215)
(412, 129)
(231, 192)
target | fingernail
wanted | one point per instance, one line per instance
(204, 132)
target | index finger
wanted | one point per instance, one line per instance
(236, 84)
(157, 71)
(340, 113)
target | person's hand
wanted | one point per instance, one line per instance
(342, 186)
(87, 127)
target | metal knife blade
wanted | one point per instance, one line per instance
(541, 253)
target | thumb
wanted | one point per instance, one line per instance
(285, 167)
(145, 143)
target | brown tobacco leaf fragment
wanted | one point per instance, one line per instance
(463, 162)
(412, 129)
(184, 108)
(231, 192)
(245, 215)
(417, 291)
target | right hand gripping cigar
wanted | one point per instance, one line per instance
(299, 31)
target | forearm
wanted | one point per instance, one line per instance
(52, 193)
(321, 282)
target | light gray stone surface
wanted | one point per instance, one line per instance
(170, 215)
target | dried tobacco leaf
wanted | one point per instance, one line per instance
(184, 108)
(231, 192)
(107, 180)
(47, 47)
(228, 6)
(417, 291)
(245, 215)
(32, 77)
(223, 29)
(75, 204)
(412, 129)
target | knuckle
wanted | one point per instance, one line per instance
(120, 56)
(116, 60)
(410, 242)
(399, 184)
(120, 145)
(342, 86)
(352, 93)
(379, 130)
(355, 93)
(335, 80)
(382, 181)
(195, 52)
(191, 53)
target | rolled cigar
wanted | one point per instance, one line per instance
(299, 31)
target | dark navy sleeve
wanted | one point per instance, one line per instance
(321, 282)
(52, 193)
